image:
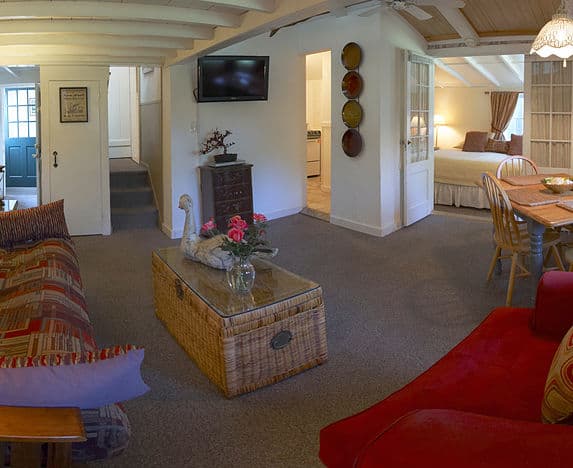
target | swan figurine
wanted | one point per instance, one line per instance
(207, 251)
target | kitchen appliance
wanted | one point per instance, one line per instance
(313, 153)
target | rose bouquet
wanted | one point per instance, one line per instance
(243, 239)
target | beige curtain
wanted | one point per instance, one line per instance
(502, 108)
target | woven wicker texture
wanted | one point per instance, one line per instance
(237, 352)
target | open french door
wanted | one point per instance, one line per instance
(418, 138)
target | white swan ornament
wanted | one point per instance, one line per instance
(207, 251)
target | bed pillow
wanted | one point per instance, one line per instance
(33, 224)
(475, 141)
(84, 380)
(557, 405)
(516, 145)
(497, 146)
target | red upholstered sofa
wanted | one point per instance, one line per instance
(479, 406)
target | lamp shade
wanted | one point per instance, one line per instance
(556, 37)
(439, 120)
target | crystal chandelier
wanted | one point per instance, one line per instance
(556, 37)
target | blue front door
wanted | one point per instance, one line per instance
(20, 137)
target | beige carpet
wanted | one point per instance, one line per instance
(394, 306)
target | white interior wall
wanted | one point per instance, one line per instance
(365, 189)
(120, 113)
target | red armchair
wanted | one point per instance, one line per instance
(479, 406)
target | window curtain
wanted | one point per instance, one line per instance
(502, 109)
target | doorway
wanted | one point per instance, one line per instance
(318, 135)
(19, 132)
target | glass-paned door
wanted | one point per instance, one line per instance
(418, 150)
(20, 138)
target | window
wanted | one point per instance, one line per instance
(516, 123)
(21, 110)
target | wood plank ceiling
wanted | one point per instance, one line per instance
(488, 18)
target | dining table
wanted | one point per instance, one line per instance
(541, 209)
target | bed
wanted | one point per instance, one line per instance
(457, 175)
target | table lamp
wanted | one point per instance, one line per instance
(438, 120)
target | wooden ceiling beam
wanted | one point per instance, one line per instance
(94, 40)
(451, 71)
(116, 11)
(81, 60)
(483, 71)
(266, 6)
(461, 24)
(511, 65)
(63, 50)
(120, 28)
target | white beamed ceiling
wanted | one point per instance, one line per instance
(492, 71)
(152, 32)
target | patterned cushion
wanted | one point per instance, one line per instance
(497, 146)
(475, 141)
(33, 224)
(64, 359)
(557, 405)
(516, 145)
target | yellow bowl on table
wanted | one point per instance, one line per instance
(558, 184)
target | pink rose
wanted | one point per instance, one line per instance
(259, 218)
(209, 225)
(236, 234)
(237, 222)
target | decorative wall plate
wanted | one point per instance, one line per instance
(352, 85)
(352, 114)
(351, 143)
(351, 56)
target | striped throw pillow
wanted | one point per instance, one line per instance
(557, 405)
(33, 224)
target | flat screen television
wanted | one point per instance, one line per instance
(232, 78)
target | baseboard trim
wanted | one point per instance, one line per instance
(389, 229)
(360, 227)
(282, 213)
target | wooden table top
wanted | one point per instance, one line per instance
(549, 215)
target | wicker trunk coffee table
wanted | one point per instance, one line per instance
(242, 342)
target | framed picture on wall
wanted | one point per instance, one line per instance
(73, 105)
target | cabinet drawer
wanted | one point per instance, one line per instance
(232, 192)
(233, 207)
(228, 177)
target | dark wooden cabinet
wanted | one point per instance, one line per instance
(225, 192)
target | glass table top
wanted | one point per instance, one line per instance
(272, 284)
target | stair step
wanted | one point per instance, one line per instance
(133, 179)
(131, 197)
(129, 218)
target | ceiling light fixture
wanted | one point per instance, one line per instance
(556, 37)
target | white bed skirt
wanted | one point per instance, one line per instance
(460, 195)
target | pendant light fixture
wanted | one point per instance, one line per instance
(556, 37)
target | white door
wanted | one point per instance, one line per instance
(418, 148)
(119, 113)
(74, 155)
(38, 153)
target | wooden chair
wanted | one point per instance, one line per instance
(516, 166)
(509, 235)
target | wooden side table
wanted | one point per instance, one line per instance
(28, 428)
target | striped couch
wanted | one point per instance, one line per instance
(43, 311)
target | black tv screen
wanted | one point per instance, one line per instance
(233, 78)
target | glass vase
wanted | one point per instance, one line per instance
(241, 275)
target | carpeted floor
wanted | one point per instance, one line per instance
(394, 306)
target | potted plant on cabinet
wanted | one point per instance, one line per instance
(216, 140)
